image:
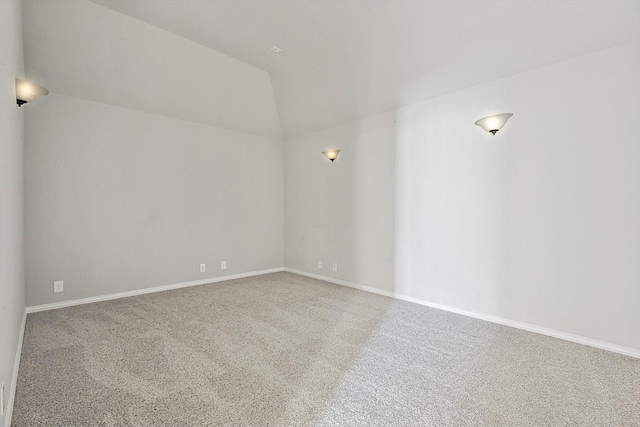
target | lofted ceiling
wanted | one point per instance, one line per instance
(345, 60)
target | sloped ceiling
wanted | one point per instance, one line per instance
(345, 60)
(81, 49)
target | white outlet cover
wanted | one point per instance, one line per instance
(203, 268)
(335, 267)
(58, 286)
(223, 265)
(319, 264)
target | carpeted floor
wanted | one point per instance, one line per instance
(286, 350)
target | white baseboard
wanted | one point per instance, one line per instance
(14, 378)
(627, 351)
(89, 300)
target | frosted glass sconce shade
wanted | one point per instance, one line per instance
(331, 154)
(494, 123)
(27, 91)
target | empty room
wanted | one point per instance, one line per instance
(319, 213)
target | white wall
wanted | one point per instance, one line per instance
(342, 212)
(118, 200)
(11, 191)
(538, 224)
(151, 155)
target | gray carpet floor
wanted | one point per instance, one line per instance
(286, 350)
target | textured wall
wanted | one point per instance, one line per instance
(151, 155)
(119, 200)
(342, 212)
(538, 224)
(11, 191)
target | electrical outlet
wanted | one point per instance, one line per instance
(223, 265)
(58, 287)
(203, 268)
(320, 264)
(2, 400)
(334, 267)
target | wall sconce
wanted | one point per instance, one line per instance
(494, 123)
(27, 91)
(331, 154)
